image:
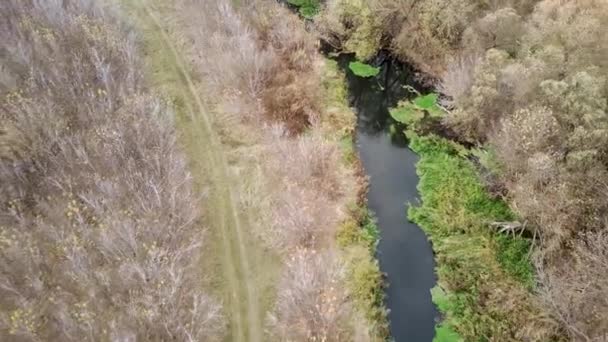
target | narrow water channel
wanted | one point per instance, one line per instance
(404, 253)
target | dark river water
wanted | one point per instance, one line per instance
(404, 253)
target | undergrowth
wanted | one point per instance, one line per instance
(484, 278)
(358, 237)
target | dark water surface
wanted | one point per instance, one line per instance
(404, 253)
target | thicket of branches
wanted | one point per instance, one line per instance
(99, 238)
(540, 102)
(425, 33)
(272, 89)
(257, 60)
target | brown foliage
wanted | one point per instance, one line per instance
(540, 101)
(306, 190)
(577, 288)
(98, 223)
(292, 99)
(292, 94)
(311, 304)
(259, 61)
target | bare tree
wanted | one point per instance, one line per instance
(311, 304)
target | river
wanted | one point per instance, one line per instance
(404, 253)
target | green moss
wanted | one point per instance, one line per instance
(478, 269)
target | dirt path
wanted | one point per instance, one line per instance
(210, 170)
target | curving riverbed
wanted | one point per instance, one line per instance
(404, 253)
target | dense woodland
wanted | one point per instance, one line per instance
(99, 239)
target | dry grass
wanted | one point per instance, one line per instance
(99, 236)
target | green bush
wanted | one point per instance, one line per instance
(351, 25)
(358, 237)
(308, 8)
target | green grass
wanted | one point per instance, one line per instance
(338, 118)
(347, 146)
(484, 277)
(513, 256)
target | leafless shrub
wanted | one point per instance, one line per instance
(98, 223)
(501, 29)
(577, 290)
(305, 184)
(261, 61)
(458, 78)
(292, 95)
(292, 99)
(311, 304)
(227, 53)
(285, 33)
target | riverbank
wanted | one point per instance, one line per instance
(486, 279)
(358, 235)
(404, 254)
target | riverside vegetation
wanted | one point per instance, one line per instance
(287, 142)
(524, 86)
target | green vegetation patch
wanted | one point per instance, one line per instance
(363, 70)
(413, 112)
(358, 238)
(446, 334)
(307, 8)
(338, 118)
(484, 277)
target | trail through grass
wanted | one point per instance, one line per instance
(233, 247)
